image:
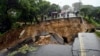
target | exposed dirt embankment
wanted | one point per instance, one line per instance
(63, 27)
(11, 37)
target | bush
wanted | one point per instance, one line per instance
(1, 34)
(23, 50)
(16, 25)
(98, 34)
(94, 22)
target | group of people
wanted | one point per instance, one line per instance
(76, 13)
(55, 15)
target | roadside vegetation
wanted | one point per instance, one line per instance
(24, 49)
(98, 34)
(0, 34)
(23, 11)
(92, 15)
(33, 11)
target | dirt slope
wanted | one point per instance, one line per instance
(62, 27)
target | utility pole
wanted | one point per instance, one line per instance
(80, 6)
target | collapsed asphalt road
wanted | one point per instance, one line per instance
(45, 38)
(87, 44)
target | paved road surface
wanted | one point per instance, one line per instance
(89, 41)
(91, 45)
(53, 50)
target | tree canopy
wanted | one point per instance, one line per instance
(91, 13)
(12, 11)
(77, 6)
(66, 7)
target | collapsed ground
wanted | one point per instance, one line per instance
(66, 29)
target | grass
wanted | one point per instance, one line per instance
(94, 22)
(97, 25)
(98, 34)
(23, 50)
(15, 25)
(1, 34)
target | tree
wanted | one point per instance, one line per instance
(5, 21)
(25, 7)
(96, 13)
(77, 6)
(66, 7)
(12, 11)
(87, 10)
(84, 11)
(43, 8)
(53, 8)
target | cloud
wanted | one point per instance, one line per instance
(70, 2)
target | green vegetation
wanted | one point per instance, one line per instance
(98, 34)
(23, 50)
(94, 22)
(15, 25)
(12, 11)
(0, 34)
(91, 14)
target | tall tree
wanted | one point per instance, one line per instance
(43, 6)
(77, 6)
(54, 8)
(66, 7)
(87, 10)
(5, 21)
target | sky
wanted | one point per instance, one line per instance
(70, 2)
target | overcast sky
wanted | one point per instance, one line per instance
(70, 2)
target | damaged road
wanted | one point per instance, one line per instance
(54, 35)
(90, 47)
